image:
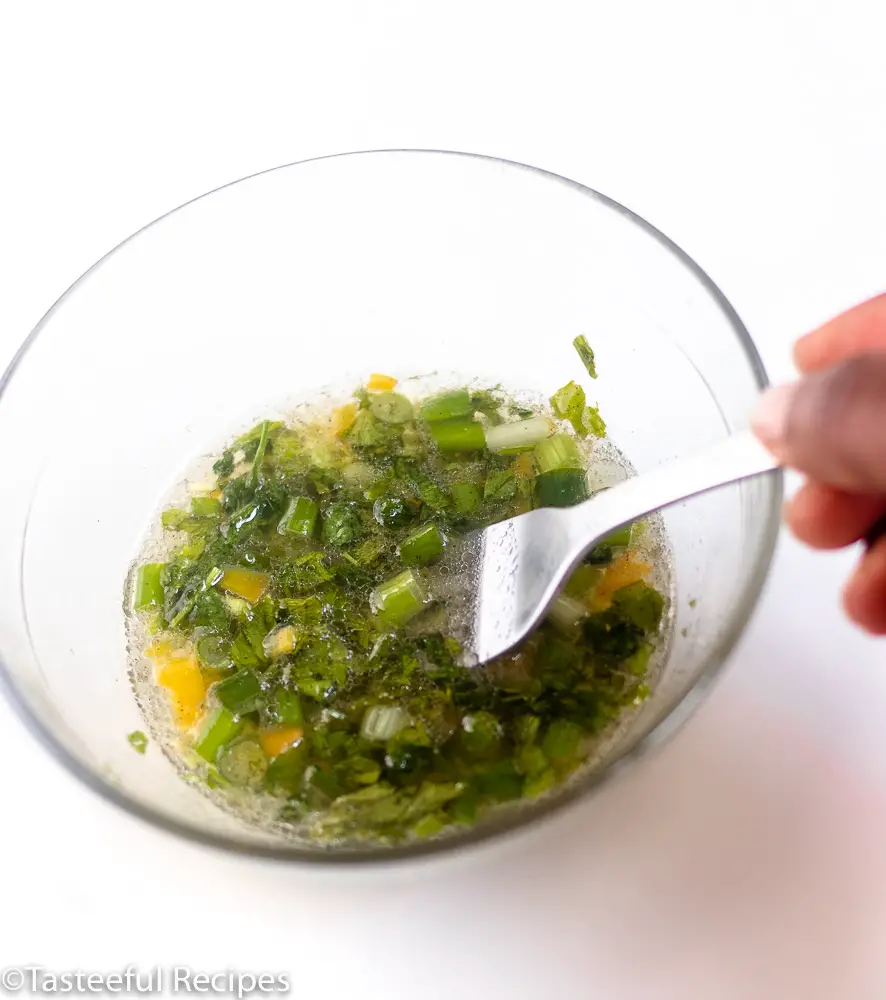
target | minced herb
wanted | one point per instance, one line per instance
(138, 740)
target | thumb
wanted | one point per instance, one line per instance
(831, 425)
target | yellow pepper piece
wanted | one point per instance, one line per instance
(280, 739)
(249, 584)
(627, 568)
(380, 383)
(524, 466)
(180, 674)
(343, 418)
(281, 641)
(160, 649)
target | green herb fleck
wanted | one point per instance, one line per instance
(586, 354)
(138, 741)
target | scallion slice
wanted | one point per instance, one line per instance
(561, 488)
(220, 728)
(288, 708)
(447, 405)
(300, 518)
(458, 435)
(558, 452)
(522, 435)
(240, 692)
(243, 763)
(422, 546)
(399, 599)
(381, 722)
(148, 588)
(390, 408)
(566, 613)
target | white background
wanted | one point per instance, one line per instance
(748, 859)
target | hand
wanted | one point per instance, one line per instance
(831, 425)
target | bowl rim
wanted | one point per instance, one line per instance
(506, 823)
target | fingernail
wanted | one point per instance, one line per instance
(770, 417)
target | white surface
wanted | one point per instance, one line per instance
(747, 859)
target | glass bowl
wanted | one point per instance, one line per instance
(318, 273)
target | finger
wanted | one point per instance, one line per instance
(865, 595)
(828, 518)
(831, 425)
(860, 330)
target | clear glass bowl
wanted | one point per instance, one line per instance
(317, 273)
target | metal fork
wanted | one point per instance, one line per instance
(521, 564)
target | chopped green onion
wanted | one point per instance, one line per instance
(391, 408)
(205, 506)
(318, 688)
(300, 518)
(214, 651)
(220, 728)
(172, 519)
(638, 662)
(381, 722)
(592, 422)
(458, 435)
(399, 599)
(500, 781)
(584, 579)
(538, 783)
(413, 442)
(522, 435)
(464, 808)
(562, 738)
(558, 452)
(260, 451)
(138, 741)
(619, 539)
(240, 692)
(288, 708)
(481, 735)
(640, 604)
(568, 403)
(586, 354)
(148, 588)
(193, 550)
(466, 497)
(358, 475)
(323, 782)
(561, 488)
(236, 605)
(244, 763)
(422, 546)
(429, 825)
(284, 774)
(526, 729)
(531, 760)
(447, 405)
(566, 614)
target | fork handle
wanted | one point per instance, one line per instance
(739, 456)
